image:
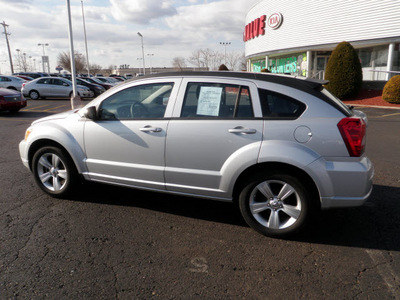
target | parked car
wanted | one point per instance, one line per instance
(32, 74)
(95, 88)
(109, 80)
(53, 87)
(11, 100)
(24, 77)
(11, 82)
(281, 148)
(99, 82)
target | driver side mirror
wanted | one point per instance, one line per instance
(91, 113)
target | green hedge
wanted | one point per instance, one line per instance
(344, 71)
(391, 91)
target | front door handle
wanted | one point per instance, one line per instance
(242, 130)
(149, 128)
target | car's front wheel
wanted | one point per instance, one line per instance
(276, 204)
(54, 171)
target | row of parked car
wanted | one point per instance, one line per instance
(36, 85)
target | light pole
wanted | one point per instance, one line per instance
(139, 58)
(19, 60)
(151, 65)
(225, 44)
(8, 45)
(144, 68)
(84, 30)
(76, 100)
(44, 59)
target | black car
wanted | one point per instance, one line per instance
(98, 82)
(95, 88)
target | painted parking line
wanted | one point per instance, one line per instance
(389, 115)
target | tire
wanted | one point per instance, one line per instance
(54, 172)
(14, 110)
(12, 88)
(34, 95)
(276, 204)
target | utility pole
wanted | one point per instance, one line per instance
(8, 45)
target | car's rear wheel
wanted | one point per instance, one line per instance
(276, 204)
(34, 95)
(54, 171)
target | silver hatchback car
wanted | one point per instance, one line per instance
(281, 148)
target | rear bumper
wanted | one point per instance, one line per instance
(343, 183)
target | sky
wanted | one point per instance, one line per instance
(170, 28)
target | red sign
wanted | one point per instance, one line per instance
(257, 27)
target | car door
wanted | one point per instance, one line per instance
(126, 145)
(60, 88)
(214, 134)
(43, 86)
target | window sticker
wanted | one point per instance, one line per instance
(209, 101)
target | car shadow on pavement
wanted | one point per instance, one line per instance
(376, 225)
(25, 115)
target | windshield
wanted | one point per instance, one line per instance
(336, 100)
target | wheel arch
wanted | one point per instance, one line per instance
(36, 145)
(260, 168)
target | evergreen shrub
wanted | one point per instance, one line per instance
(391, 91)
(344, 71)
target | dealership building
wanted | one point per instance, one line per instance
(297, 37)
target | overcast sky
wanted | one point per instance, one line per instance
(170, 28)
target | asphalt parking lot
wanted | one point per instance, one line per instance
(115, 243)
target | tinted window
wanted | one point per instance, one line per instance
(138, 102)
(215, 100)
(44, 81)
(275, 105)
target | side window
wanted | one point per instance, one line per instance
(44, 81)
(279, 106)
(215, 100)
(138, 102)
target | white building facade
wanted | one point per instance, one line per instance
(297, 37)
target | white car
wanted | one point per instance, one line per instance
(11, 82)
(53, 87)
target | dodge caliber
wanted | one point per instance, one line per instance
(280, 148)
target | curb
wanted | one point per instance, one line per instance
(373, 106)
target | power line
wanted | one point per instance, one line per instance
(8, 45)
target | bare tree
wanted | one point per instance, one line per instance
(179, 63)
(196, 59)
(95, 69)
(233, 61)
(64, 61)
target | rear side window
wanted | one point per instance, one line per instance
(278, 106)
(216, 100)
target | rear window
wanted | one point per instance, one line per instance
(278, 106)
(336, 101)
(216, 100)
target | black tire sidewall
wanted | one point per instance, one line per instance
(72, 174)
(300, 188)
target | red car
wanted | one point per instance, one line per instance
(11, 100)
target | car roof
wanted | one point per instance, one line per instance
(292, 81)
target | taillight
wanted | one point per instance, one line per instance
(353, 134)
(23, 84)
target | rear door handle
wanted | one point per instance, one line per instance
(149, 128)
(242, 130)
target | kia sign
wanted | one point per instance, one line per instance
(275, 20)
(257, 27)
